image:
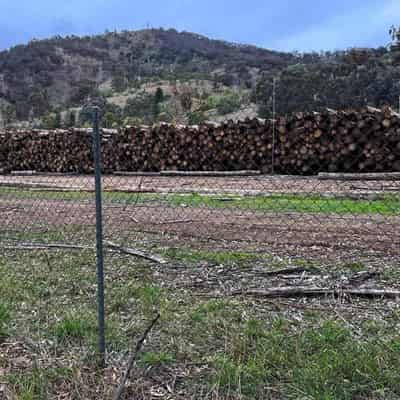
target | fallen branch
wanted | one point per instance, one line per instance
(377, 190)
(134, 173)
(299, 291)
(177, 221)
(52, 246)
(362, 276)
(211, 173)
(288, 271)
(134, 252)
(41, 187)
(133, 357)
(378, 176)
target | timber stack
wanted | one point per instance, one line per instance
(366, 140)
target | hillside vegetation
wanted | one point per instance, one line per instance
(164, 75)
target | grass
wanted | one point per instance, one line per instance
(220, 257)
(387, 205)
(324, 362)
(356, 266)
(237, 348)
(159, 358)
(5, 319)
(390, 205)
(69, 232)
(39, 382)
(74, 328)
(208, 310)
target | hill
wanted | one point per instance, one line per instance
(150, 75)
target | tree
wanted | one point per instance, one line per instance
(57, 120)
(71, 121)
(158, 98)
(185, 98)
(109, 120)
(196, 118)
(228, 103)
(119, 83)
(395, 34)
(52, 120)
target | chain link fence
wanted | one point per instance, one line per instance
(340, 212)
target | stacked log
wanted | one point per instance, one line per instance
(366, 140)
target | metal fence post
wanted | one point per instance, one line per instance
(99, 236)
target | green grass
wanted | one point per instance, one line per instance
(74, 328)
(304, 204)
(64, 234)
(160, 358)
(356, 266)
(387, 205)
(220, 257)
(37, 383)
(5, 319)
(241, 353)
(324, 362)
(208, 309)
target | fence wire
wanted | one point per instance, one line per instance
(229, 224)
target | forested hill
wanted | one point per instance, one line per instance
(152, 75)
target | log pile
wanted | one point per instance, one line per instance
(366, 140)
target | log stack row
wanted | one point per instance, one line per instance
(366, 140)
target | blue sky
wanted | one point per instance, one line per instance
(286, 25)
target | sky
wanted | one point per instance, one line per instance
(286, 25)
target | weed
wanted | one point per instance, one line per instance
(206, 309)
(72, 328)
(151, 297)
(160, 358)
(354, 266)
(36, 384)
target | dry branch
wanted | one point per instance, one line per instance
(300, 291)
(288, 271)
(132, 359)
(176, 221)
(55, 246)
(135, 252)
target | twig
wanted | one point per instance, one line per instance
(132, 358)
(177, 221)
(132, 218)
(54, 246)
(135, 252)
(287, 271)
(362, 276)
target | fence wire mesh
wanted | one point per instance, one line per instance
(216, 233)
